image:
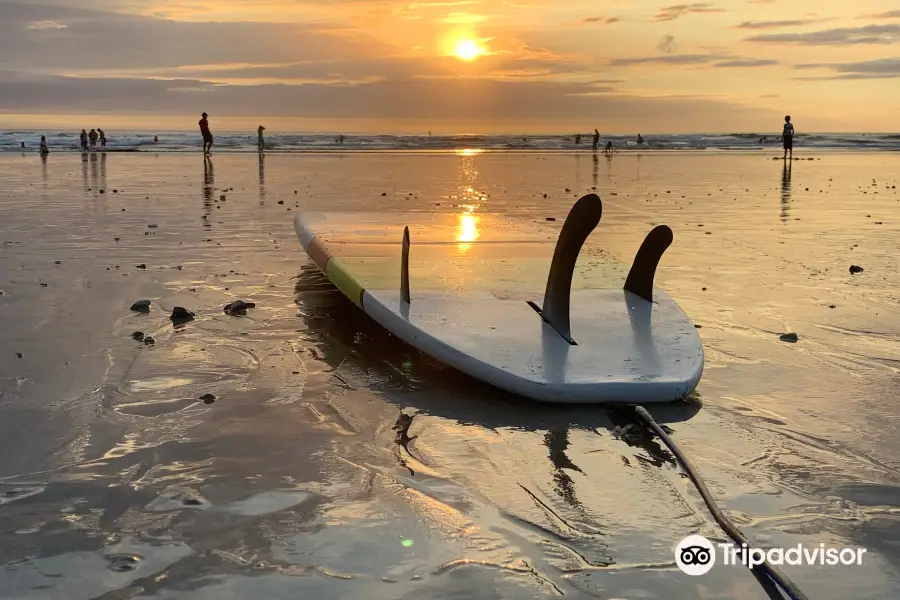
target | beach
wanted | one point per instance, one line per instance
(327, 458)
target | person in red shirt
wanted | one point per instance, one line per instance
(207, 136)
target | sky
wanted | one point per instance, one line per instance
(452, 66)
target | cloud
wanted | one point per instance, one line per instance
(604, 20)
(882, 68)
(891, 14)
(446, 100)
(666, 44)
(670, 13)
(746, 62)
(45, 25)
(669, 59)
(845, 36)
(777, 24)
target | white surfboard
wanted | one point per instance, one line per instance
(615, 345)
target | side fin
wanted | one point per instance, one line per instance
(643, 269)
(582, 219)
(404, 267)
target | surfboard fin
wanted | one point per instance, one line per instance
(404, 267)
(583, 218)
(643, 269)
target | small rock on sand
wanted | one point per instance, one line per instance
(180, 313)
(18, 355)
(141, 306)
(551, 218)
(281, 202)
(149, 340)
(789, 337)
(854, 269)
(141, 266)
(138, 335)
(238, 307)
(208, 398)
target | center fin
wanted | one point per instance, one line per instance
(404, 267)
(583, 218)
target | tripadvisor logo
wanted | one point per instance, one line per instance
(696, 555)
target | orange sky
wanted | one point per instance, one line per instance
(385, 65)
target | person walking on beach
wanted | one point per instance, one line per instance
(787, 136)
(93, 137)
(102, 138)
(259, 132)
(44, 149)
(207, 136)
(596, 140)
(84, 140)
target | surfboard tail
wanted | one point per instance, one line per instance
(643, 269)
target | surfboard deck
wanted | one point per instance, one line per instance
(475, 306)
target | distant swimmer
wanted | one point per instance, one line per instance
(84, 140)
(609, 148)
(44, 149)
(787, 136)
(155, 139)
(93, 137)
(102, 138)
(764, 139)
(207, 136)
(596, 140)
(259, 132)
(578, 139)
(640, 139)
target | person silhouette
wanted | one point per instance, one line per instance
(787, 137)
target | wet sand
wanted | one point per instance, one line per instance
(335, 461)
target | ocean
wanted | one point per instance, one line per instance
(173, 141)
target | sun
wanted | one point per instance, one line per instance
(468, 50)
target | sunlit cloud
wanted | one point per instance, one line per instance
(670, 13)
(42, 25)
(845, 36)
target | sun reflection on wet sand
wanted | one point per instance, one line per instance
(468, 231)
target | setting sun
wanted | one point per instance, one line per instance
(468, 50)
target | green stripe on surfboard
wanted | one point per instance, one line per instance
(341, 277)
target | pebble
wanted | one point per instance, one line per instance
(141, 306)
(149, 340)
(138, 335)
(856, 269)
(180, 313)
(18, 355)
(238, 307)
(789, 337)
(141, 266)
(551, 218)
(208, 398)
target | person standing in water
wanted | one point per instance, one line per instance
(84, 140)
(44, 149)
(93, 137)
(207, 136)
(260, 141)
(596, 141)
(578, 139)
(640, 140)
(102, 138)
(787, 136)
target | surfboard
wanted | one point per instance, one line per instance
(454, 298)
